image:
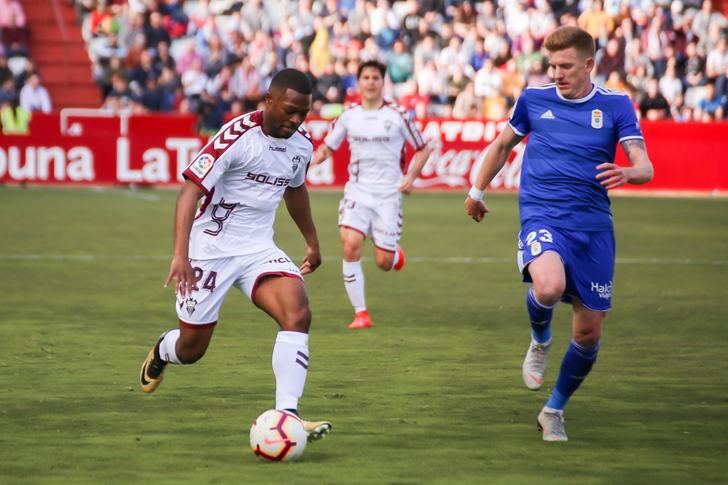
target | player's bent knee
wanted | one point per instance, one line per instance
(189, 352)
(549, 292)
(587, 338)
(297, 321)
(385, 264)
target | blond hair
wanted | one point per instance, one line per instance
(569, 36)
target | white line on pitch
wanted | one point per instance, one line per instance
(90, 258)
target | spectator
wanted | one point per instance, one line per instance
(15, 120)
(400, 64)
(33, 96)
(653, 105)
(711, 107)
(611, 60)
(467, 104)
(717, 59)
(8, 91)
(101, 20)
(5, 72)
(670, 86)
(13, 29)
(154, 31)
(596, 21)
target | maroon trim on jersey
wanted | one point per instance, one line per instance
(205, 203)
(283, 274)
(188, 175)
(354, 229)
(223, 140)
(305, 135)
(196, 326)
(416, 136)
(403, 160)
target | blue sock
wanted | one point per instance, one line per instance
(577, 363)
(540, 316)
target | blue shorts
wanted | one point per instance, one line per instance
(588, 258)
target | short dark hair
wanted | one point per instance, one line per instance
(291, 79)
(373, 63)
(569, 36)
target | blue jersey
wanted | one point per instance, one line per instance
(567, 139)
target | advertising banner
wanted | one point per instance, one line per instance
(87, 147)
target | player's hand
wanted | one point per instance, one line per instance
(320, 154)
(476, 209)
(407, 185)
(311, 261)
(612, 175)
(183, 275)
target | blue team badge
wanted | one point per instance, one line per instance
(597, 119)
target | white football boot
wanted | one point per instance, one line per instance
(316, 430)
(534, 365)
(552, 426)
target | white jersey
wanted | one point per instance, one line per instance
(244, 173)
(377, 142)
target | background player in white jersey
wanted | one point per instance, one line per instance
(244, 171)
(377, 131)
(566, 244)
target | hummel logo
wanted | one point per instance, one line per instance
(548, 115)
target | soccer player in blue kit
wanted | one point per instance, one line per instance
(566, 242)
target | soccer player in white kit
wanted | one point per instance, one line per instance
(377, 131)
(252, 163)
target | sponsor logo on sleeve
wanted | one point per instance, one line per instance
(202, 165)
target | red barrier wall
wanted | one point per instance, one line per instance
(152, 150)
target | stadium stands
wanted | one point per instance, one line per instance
(445, 57)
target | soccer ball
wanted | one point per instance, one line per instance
(277, 436)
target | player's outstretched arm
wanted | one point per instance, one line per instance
(612, 175)
(322, 153)
(180, 269)
(495, 157)
(415, 169)
(299, 207)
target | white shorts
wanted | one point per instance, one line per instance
(380, 219)
(216, 276)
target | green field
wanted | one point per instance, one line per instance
(431, 394)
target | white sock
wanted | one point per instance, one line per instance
(290, 366)
(167, 349)
(354, 284)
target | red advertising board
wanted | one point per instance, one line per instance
(84, 147)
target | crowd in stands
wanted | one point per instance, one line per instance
(444, 57)
(21, 91)
(450, 58)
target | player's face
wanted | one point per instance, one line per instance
(371, 84)
(571, 71)
(285, 111)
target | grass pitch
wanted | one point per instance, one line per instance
(431, 394)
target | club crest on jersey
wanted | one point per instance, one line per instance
(597, 119)
(296, 161)
(202, 164)
(387, 124)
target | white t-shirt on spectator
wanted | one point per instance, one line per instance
(35, 99)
